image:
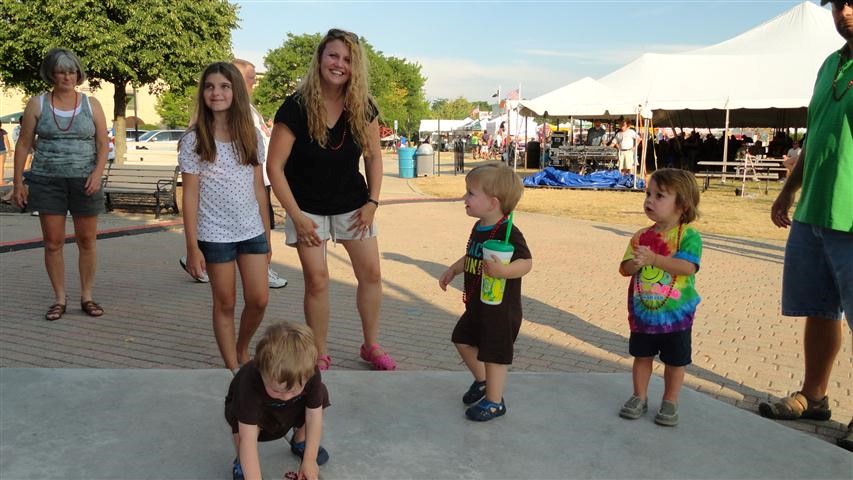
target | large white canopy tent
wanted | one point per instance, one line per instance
(763, 77)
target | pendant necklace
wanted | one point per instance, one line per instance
(344, 136)
(73, 113)
(839, 72)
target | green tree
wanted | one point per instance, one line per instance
(455, 109)
(396, 85)
(137, 42)
(175, 107)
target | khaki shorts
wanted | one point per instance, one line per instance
(626, 159)
(335, 227)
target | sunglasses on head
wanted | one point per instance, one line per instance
(839, 4)
(342, 34)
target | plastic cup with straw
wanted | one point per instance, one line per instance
(492, 289)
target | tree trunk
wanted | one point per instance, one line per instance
(119, 123)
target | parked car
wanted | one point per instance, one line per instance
(156, 140)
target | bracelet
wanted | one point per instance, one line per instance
(375, 202)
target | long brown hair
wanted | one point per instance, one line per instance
(357, 99)
(240, 124)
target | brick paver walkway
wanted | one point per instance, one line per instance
(574, 305)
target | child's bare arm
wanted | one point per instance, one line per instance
(629, 267)
(674, 266)
(313, 431)
(249, 458)
(515, 269)
(451, 273)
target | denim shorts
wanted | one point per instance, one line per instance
(817, 279)
(224, 252)
(675, 348)
(336, 227)
(59, 195)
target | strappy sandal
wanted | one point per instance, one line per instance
(91, 308)
(324, 362)
(55, 312)
(379, 361)
(796, 406)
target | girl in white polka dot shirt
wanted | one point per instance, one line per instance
(226, 210)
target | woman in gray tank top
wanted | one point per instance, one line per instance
(68, 163)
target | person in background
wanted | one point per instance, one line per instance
(595, 134)
(789, 160)
(68, 163)
(626, 141)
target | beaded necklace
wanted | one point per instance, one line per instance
(468, 290)
(839, 72)
(646, 303)
(73, 113)
(344, 136)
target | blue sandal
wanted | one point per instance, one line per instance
(237, 470)
(298, 449)
(486, 410)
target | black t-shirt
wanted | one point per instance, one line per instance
(324, 181)
(247, 401)
(511, 304)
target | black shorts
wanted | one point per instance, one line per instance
(493, 337)
(674, 348)
(59, 195)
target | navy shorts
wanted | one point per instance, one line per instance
(817, 280)
(674, 348)
(224, 252)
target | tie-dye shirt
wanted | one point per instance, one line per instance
(655, 303)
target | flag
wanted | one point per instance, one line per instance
(512, 95)
(498, 92)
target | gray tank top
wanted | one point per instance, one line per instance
(67, 153)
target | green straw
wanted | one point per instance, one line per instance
(508, 228)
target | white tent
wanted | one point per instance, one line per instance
(446, 125)
(764, 76)
(585, 98)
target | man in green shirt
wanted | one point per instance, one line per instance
(818, 274)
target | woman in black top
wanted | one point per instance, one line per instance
(320, 133)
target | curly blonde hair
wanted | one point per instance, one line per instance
(357, 100)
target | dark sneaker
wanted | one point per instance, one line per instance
(846, 442)
(237, 470)
(475, 393)
(298, 449)
(667, 415)
(486, 410)
(634, 408)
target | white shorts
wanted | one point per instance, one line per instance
(626, 159)
(335, 227)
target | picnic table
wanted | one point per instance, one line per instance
(756, 168)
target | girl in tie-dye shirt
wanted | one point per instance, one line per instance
(662, 261)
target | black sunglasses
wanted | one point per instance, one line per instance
(839, 4)
(341, 34)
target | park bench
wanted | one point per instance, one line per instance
(141, 186)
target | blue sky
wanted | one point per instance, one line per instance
(470, 48)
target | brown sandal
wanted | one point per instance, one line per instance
(55, 312)
(91, 308)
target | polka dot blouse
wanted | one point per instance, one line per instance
(227, 208)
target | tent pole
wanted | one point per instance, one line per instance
(645, 149)
(726, 144)
(439, 147)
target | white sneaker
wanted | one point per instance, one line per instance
(202, 279)
(275, 280)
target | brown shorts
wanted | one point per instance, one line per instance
(493, 336)
(58, 196)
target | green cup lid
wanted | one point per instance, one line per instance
(498, 246)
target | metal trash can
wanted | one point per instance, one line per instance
(424, 160)
(406, 164)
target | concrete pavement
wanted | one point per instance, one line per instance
(574, 305)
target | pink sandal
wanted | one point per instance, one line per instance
(379, 362)
(324, 362)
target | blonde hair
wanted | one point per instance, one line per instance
(499, 181)
(683, 184)
(286, 354)
(240, 124)
(357, 100)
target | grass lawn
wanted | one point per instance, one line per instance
(721, 211)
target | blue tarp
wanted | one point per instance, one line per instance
(551, 177)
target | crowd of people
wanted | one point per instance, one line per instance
(328, 130)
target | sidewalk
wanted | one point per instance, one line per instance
(574, 305)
